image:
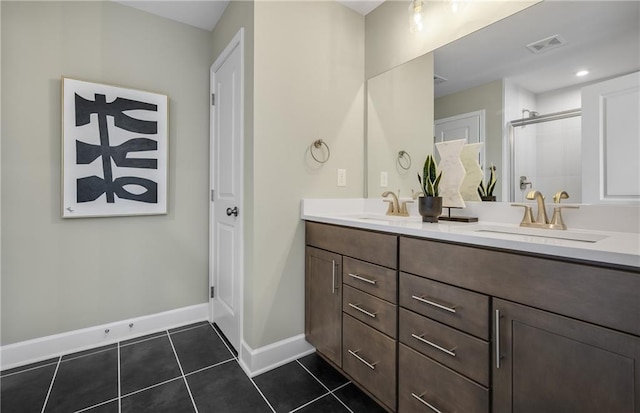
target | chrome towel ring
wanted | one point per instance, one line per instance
(404, 160)
(318, 144)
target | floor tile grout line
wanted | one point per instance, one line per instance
(151, 387)
(317, 379)
(209, 367)
(55, 373)
(53, 363)
(339, 399)
(185, 329)
(310, 402)
(175, 353)
(323, 385)
(142, 339)
(223, 341)
(85, 409)
(86, 355)
(262, 394)
(119, 382)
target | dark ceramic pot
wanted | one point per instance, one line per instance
(491, 198)
(430, 207)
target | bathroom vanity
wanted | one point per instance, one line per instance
(426, 318)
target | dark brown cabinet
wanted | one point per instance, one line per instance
(323, 303)
(548, 363)
(424, 325)
(360, 267)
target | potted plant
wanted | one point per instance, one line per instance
(486, 192)
(430, 205)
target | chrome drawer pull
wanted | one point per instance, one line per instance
(362, 310)
(372, 366)
(421, 338)
(421, 400)
(357, 277)
(433, 303)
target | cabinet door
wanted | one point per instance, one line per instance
(323, 303)
(544, 362)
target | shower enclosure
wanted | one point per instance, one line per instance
(545, 152)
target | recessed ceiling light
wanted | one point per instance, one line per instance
(582, 73)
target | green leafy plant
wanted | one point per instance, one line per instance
(491, 183)
(430, 179)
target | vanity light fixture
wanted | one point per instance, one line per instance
(416, 16)
(581, 73)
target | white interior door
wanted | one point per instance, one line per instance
(469, 126)
(226, 212)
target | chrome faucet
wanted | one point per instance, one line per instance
(542, 220)
(395, 207)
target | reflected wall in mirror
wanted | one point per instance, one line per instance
(399, 118)
(493, 70)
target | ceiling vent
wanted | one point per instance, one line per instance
(546, 44)
(438, 79)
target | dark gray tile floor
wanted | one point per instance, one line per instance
(188, 369)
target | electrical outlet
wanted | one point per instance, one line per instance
(384, 179)
(342, 177)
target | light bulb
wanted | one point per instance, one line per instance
(455, 6)
(416, 16)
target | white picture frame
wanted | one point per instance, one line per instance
(114, 150)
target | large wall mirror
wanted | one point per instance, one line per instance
(513, 86)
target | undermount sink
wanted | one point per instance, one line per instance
(542, 233)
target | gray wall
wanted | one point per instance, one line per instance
(308, 84)
(389, 42)
(61, 275)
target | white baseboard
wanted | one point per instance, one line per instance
(31, 351)
(263, 359)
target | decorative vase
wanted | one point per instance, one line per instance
(430, 207)
(491, 198)
(452, 172)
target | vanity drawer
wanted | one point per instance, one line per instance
(369, 357)
(369, 246)
(373, 311)
(462, 309)
(455, 349)
(423, 382)
(373, 279)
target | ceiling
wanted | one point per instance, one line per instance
(206, 13)
(601, 36)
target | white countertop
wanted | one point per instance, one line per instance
(612, 247)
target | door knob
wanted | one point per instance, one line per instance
(233, 211)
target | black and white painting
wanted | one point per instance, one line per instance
(114, 144)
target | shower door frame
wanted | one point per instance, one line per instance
(571, 113)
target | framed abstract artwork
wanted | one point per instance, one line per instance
(114, 151)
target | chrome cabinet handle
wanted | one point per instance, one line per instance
(372, 366)
(358, 277)
(497, 338)
(423, 401)
(333, 277)
(433, 303)
(421, 338)
(362, 310)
